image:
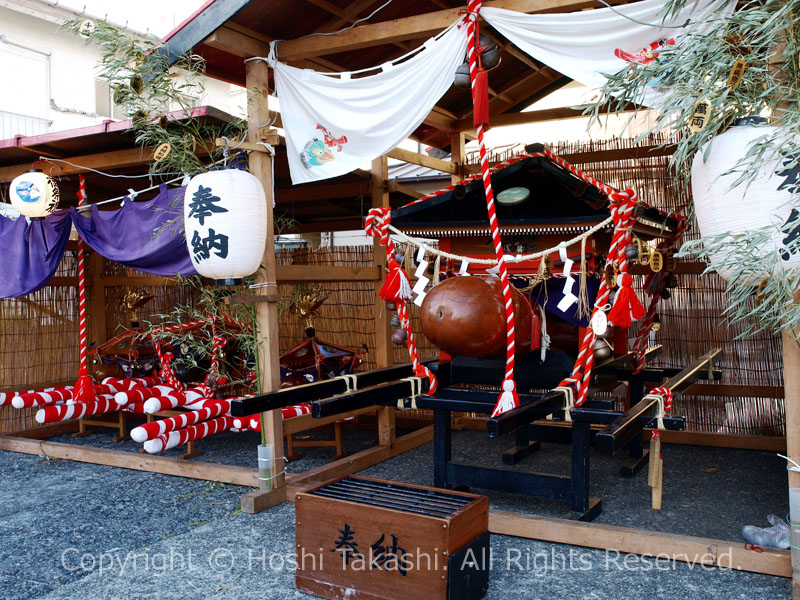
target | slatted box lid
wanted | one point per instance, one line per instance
(371, 539)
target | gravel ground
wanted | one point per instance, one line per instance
(74, 530)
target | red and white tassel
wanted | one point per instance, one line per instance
(627, 306)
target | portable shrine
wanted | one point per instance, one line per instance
(569, 243)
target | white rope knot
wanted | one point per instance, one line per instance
(351, 381)
(660, 414)
(416, 390)
(272, 57)
(569, 393)
(793, 467)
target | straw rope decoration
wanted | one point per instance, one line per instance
(84, 387)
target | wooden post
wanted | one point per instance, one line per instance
(457, 155)
(96, 305)
(791, 384)
(383, 331)
(267, 312)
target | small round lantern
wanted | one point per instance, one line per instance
(225, 219)
(34, 194)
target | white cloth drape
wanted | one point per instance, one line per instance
(335, 123)
(584, 45)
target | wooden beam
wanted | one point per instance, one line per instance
(436, 118)
(315, 193)
(734, 391)
(620, 154)
(417, 26)
(396, 187)
(685, 267)
(423, 160)
(722, 440)
(159, 281)
(538, 116)
(258, 501)
(293, 273)
(246, 43)
(133, 460)
(115, 159)
(625, 540)
(46, 431)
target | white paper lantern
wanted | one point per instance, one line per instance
(34, 194)
(722, 209)
(225, 218)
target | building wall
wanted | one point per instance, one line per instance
(50, 77)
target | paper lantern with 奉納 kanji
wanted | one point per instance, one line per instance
(764, 202)
(225, 219)
(34, 194)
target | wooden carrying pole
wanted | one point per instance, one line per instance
(273, 491)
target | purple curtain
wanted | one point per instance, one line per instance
(31, 252)
(138, 234)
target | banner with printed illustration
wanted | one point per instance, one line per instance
(335, 122)
(583, 45)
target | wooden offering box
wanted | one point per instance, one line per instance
(360, 538)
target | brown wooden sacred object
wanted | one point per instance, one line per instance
(464, 316)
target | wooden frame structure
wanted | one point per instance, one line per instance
(213, 28)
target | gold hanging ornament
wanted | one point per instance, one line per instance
(162, 152)
(700, 115)
(736, 74)
(656, 260)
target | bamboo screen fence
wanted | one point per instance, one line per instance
(39, 335)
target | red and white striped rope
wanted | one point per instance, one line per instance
(508, 398)
(622, 205)
(82, 284)
(194, 432)
(7, 397)
(376, 224)
(149, 431)
(140, 394)
(666, 396)
(64, 412)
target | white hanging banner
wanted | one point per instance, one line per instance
(336, 122)
(584, 45)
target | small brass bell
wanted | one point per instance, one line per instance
(391, 306)
(672, 281)
(395, 321)
(631, 252)
(490, 58)
(602, 349)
